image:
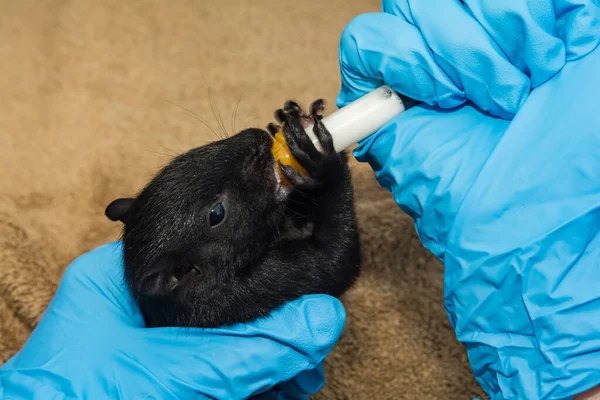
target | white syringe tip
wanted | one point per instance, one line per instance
(361, 118)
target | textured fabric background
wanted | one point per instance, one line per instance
(91, 95)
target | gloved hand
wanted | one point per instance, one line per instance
(91, 343)
(499, 166)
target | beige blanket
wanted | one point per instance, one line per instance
(91, 95)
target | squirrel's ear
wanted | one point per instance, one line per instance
(118, 210)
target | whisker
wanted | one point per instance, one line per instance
(246, 122)
(278, 231)
(199, 118)
(216, 112)
(290, 200)
(168, 149)
(295, 212)
(161, 154)
(235, 112)
(215, 109)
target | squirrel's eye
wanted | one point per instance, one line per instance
(217, 214)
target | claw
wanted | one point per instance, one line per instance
(324, 137)
(281, 116)
(293, 108)
(306, 170)
(273, 128)
(317, 109)
(300, 181)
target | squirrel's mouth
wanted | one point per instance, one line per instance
(167, 281)
(282, 154)
(180, 278)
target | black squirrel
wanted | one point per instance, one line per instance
(216, 239)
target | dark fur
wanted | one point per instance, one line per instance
(268, 249)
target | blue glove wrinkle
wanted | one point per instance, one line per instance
(35, 384)
(538, 51)
(131, 369)
(400, 8)
(429, 168)
(365, 52)
(496, 86)
(578, 24)
(519, 291)
(306, 383)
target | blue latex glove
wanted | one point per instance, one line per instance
(91, 343)
(500, 169)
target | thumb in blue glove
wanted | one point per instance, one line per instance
(91, 343)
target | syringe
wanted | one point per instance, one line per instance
(350, 124)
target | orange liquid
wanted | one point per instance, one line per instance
(282, 153)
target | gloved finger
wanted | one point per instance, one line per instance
(300, 388)
(466, 53)
(538, 37)
(94, 284)
(238, 361)
(304, 384)
(379, 48)
(429, 159)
